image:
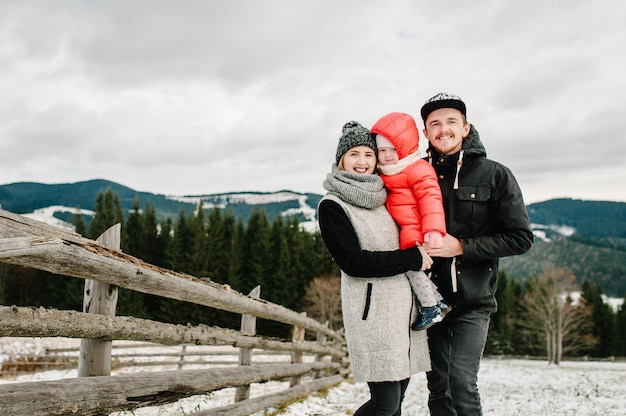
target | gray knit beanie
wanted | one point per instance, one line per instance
(354, 134)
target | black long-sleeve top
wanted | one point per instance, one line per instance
(343, 245)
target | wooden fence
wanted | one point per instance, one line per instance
(30, 243)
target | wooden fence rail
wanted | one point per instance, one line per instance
(139, 355)
(30, 243)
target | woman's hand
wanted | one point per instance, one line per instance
(427, 261)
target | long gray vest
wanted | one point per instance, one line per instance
(377, 312)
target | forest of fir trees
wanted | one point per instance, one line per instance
(536, 317)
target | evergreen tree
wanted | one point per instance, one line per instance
(620, 323)
(256, 263)
(217, 256)
(135, 242)
(302, 265)
(163, 250)
(199, 243)
(603, 319)
(502, 333)
(79, 222)
(183, 244)
(107, 212)
(150, 235)
(323, 263)
(174, 311)
(233, 235)
(235, 274)
(161, 255)
(278, 282)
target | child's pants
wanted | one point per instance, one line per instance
(424, 288)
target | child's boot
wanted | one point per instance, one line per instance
(429, 316)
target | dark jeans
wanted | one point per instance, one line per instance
(456, 347)
(386, 399)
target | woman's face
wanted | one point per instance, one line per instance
(359, 159)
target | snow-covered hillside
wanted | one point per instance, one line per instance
(541, 230)
(46, 214)
(222, 201)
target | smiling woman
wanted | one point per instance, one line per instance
(377, 302)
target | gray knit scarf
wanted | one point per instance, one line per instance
(362, 190)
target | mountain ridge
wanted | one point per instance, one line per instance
(588, 237)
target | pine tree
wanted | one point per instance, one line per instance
(237, 236)
(163, 250)
(603, 319)
(107, 212)
(217, 256)
(79, 222)
(620, 323)
(183, 244)
(150, 235)
(135, 231)
(256, 259)
(199, 243)
(279, 282)
(502, 333)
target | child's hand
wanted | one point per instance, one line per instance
(434, 239)
(427, 261)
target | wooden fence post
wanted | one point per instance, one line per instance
(248, 327)
(296, 356)
(100, 298)
(321, 339)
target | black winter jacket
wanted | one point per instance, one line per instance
(487, 214)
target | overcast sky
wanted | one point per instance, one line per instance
(198, 97)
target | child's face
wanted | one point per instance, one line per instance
(387, 156)
(359, 159)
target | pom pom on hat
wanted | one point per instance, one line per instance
(442, 100)
(353, 134)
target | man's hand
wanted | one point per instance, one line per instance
(450, 247)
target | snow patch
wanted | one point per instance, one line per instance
(46, 215)
(512, 387)
(538, 230)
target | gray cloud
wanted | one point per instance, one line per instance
(207, 96)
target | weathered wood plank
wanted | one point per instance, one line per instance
(258, 404)
(31, 243)
(105, 394)
(100, 298)
(41, 322)
(248, 327)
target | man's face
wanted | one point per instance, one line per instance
(445, 129)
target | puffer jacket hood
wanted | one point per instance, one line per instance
(400, 129)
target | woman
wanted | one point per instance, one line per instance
(377, 302)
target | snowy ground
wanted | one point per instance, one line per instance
(508, 387)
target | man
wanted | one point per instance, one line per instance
(485, 219)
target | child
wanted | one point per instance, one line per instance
(414, 201)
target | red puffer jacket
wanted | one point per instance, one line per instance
(414, 196)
